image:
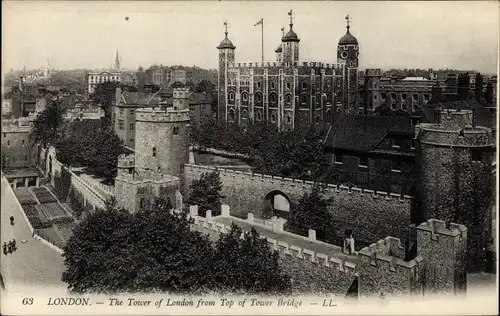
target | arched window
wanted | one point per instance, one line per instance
(259, 116)
(231, 95)
(273, 98)
(259, 84)
(244, 96)
(272, 85)
(244, 114)
(288, 119)
(304, 85)
(258, 97)
(176, 130)
(288, 85)
(273, 118)
(288, 98)
(304, 99)
(328, 116)
(154, 151)
(231, 115)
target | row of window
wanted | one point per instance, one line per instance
(258, 116)
(273, 97)
(23, 142)
(104, 79)
(404, 97)
(12, 159)
(304, 85)
(363, 163)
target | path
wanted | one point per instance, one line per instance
(34, 263)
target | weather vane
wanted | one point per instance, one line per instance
(347, 19)
(291, 17)
(225, 25)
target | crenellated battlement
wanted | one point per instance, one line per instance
(157, 115)
(274, 64)
(181, 93)
(126, 161)
(332, 188)
(437, 227)
(388, 254)
(333, 261)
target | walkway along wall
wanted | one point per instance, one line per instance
(64, 181)
(372, 215)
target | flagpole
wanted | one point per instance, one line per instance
(262, 40)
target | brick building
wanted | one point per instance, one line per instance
(374, 152)
(287, 92)
(164, 76)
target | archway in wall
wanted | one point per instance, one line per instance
(277, 203)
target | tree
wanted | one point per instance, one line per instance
(206, 193)
(178, 84)
(95, 256)
(248, 265)
(311, 212)
(103, 95)
(47, 125)
(204, 86)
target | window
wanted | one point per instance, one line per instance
(132, 112)
(395, 144)
(244, 114)
(259, 84)
(288, 119)
(304, 99)
(339, 159)
(415, 97)
(121, 112)
(288, 85)
(4, 135)
(154, 151)
(375, 97)
(384, 97)
(272, 98)
(231, 96)
(120, 124)
(426, 97)
(244, 97)
(304, 85)
(8, 143)
(258, 116)
(131, 126)
(176, 130)
(273, 118)
(272, 85)
(396, 166)
(403, 96)
(363, 162)
(231, 115)
(258, 97)
(476, 155)
(393, 96)
(22, 142)
(288, 98)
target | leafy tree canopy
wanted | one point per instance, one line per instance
(113, 251)
(206, 193)
(47, 125)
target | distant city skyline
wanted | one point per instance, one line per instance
(454, 35)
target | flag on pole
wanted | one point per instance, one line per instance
(260, 22)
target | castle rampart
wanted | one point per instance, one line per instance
(371, 214)
(157, 115)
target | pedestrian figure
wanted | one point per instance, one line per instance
(9, 247)
(14, 245)
(12, 220)
(5, 248)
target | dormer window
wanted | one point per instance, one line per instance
(176, 130)
(363, 162)
(339, 159)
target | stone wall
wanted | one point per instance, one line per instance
(311, 273)
(371, 215)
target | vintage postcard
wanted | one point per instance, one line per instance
(246, 158)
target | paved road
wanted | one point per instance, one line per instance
(34, 263)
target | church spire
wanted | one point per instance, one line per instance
(117, 61)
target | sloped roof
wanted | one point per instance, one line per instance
(363, 132)
(482, 115)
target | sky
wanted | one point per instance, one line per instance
(70, 35)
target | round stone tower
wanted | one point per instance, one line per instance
(453, 164)
(162, 136)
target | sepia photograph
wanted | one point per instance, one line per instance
(249, 157)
